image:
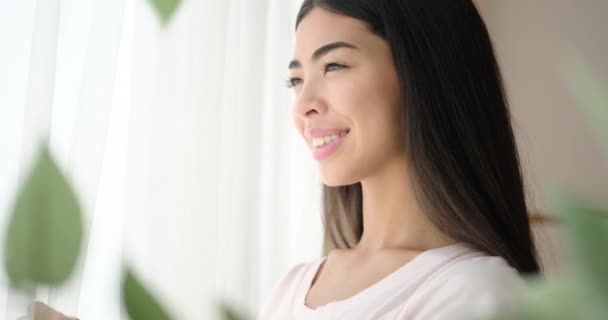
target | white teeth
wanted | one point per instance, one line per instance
(319, 142)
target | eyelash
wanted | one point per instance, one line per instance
(290, 83)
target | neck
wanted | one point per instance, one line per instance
(392, 216)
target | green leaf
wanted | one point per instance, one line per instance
(582, 292)
(230, 313)
(592, 94)
(165, 9)
(45, 230)
(589, 229)
(139, 303)
(571, 296)
(567, 298)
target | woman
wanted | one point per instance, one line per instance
(425, 216)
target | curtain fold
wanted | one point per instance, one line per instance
(178, 140)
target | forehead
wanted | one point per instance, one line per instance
(321, 26)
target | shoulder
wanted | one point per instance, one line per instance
(294, 273)
(285, 290)
(475, 285)
(478, 270)
(290, 280)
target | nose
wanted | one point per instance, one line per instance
(308, 102)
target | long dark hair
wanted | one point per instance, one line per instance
(457, 132)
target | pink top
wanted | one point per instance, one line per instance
(452, 282)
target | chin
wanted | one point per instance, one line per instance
(336, 177)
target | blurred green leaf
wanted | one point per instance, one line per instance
(589, 229)
(139, 303)
(45, 230)
(562, 299)
(230, 313)
(592, 95)
(583, 292)
(165, 9)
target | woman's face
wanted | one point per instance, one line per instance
(346, 97)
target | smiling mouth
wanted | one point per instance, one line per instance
(322, 141)
(324, 147)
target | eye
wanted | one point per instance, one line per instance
(334, 66)
(292, 82)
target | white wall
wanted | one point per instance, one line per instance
(533, 40)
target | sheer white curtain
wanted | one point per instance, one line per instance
(177, 139)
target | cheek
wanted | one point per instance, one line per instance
(349, 98)
(370, 102)
(378, 114)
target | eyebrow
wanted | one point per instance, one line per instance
(323, 51)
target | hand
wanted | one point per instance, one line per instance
(40, 311)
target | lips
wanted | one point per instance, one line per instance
(328, 148)
(324, 142)
(311, 133)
